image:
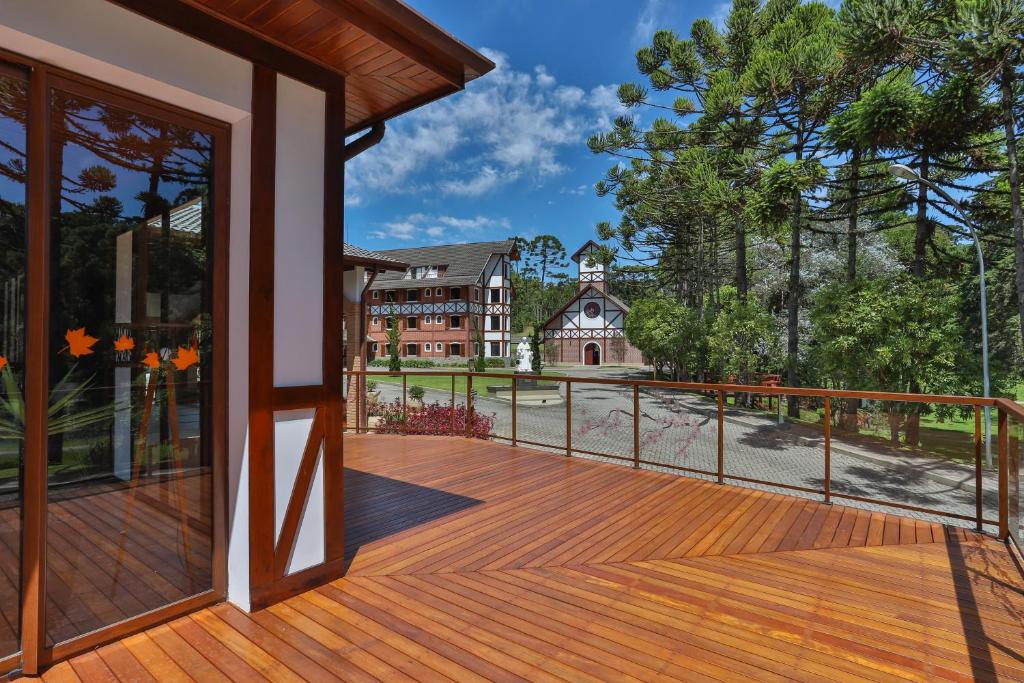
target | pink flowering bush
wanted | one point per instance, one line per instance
(432, 419)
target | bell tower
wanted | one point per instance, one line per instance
(590, 273)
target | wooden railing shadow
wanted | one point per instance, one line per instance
(963, 560)
(377, 507)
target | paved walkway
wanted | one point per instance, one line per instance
(680, 429)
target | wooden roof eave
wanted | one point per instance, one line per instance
(380, 77)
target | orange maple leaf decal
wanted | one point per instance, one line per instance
(3, 362)
(186, 358)
(152, 360)
(124, 343)
(79, 343)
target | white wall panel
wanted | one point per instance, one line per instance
(299, 236)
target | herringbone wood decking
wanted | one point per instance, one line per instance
(471, 560)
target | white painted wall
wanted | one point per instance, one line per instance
(96, 39)
(298, 247)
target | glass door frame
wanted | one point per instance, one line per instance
(42, 79)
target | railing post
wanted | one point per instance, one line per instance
(1004, 475)
(568, 418)
(721, 436)
(828, 450)
(514, 401)
(636, 426)
(978, 490)
(469, 404)
(453, 404)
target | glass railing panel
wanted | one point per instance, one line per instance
(602, 421)
(910, 455)
(678, 431)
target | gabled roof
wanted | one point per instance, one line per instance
(579, 252)
(618, 302)
(465, 264)
(357, 256)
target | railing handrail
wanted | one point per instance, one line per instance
(1006, 408)
(812, 392)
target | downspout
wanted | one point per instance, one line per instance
(361, 144)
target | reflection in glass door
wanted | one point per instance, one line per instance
(13, 164)
(129, 526)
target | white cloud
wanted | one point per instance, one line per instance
(453, 229)
(653, 16)
(507, 125)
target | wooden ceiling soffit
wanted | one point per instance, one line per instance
(222, 33)
(448, 68)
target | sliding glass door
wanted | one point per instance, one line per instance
(133, 305)
(129, 515)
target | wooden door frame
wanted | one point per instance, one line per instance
(36, 653)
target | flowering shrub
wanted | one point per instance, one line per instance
(432, 419)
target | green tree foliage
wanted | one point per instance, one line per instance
(753, 166)
(394, 343)
(743, 339)
(666, 332)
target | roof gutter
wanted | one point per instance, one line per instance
(365, 142)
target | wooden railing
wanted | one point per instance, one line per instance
(1010, 414)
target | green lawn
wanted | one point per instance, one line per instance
(428, 381)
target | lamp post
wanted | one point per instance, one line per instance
(907, 173)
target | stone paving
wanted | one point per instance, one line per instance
(682, 430)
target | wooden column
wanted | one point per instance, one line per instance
(37, 382)
(261, 330)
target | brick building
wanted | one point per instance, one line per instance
(439, 302)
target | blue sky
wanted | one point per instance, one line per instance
(508, 156)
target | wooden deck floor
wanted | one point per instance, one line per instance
(476, 561)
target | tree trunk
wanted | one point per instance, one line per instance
(793, 304)
(922, 223)
(851, 223)
(852, 404)
(1006, 87)
(741, 259)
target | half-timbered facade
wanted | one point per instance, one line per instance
(446, 295)
(590, 328)
(176, 423)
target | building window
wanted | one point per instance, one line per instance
(412, 295)
(455, 322)
(376, 294)
(426, 293)
(495, 349)
(438, 292)
(374, 347)
(427, 319)
(411, 323)
(438, 320)
(495, 296)
(389, 296)
(476, 294)
(455, 293)
(495, 322)
(411, 349)
(455, 349)
(390, 323)
(427, 347)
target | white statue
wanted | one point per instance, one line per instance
(524, 356)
